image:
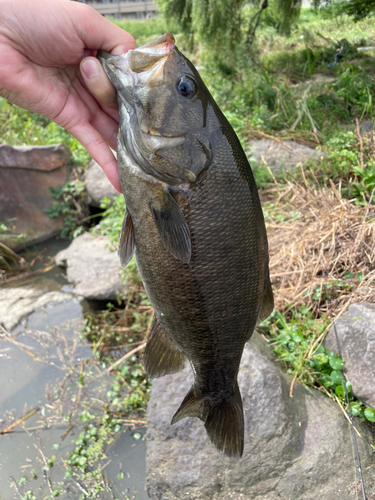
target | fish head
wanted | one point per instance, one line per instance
(166, 107)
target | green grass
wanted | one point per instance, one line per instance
(19, 127)
(145, 31)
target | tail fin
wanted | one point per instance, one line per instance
(224, 421)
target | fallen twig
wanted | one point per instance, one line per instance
(124, 358)
(19, 421)
(27, 274)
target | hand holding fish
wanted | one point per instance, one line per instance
(47, 67)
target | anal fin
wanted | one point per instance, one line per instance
(126, 247)
(161, 356)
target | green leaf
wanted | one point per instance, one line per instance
(336, 363)
(336, 377)
(355, 406)
(340, 391)
(326, 381)
(370, 414)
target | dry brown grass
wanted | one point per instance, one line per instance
(315, 237)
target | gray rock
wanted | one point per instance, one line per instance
(295, 448)
(98, 186)
(93, 268)
(26, 175)
(20, 301)
(356, 337)
(283, 155)
(366, 126)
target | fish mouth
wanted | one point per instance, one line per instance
(140, 66)
(162, 142)
(152, 131)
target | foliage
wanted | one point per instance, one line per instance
(70, 201)
(293, 339)
(20, 127)
(228, 23)
(145, 31)
(112, 217)
(360, 9)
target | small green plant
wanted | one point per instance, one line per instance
(112, 217)
(363, 188)
(70, 201)
(29, 495)
(20, 127)
(292, 339)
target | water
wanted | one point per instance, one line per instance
(40, 369)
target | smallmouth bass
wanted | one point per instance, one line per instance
(195, 224)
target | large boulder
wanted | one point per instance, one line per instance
(26, 174)
(355, 342)
(97, 185)
(92, 267)
(282, 155)
(295, 448)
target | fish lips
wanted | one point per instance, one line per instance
(141, 66)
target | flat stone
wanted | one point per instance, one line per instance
(92, 267)
(356, 344)
(295, 448)
(26, 175)
(283, 155)
(366, 126)
(18, 302)
(98, 186)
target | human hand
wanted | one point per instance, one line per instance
(43, 43)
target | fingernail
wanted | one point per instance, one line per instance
(90, 69)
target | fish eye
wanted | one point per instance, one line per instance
(187, 87)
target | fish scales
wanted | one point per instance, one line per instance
(209, 293)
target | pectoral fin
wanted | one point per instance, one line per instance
(172, 227)
(126, 247)
(161, 356)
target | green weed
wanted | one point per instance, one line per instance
(112, 217)
(70, 201)
(19, 127)
(293, 338)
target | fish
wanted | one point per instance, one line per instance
(195, 224)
